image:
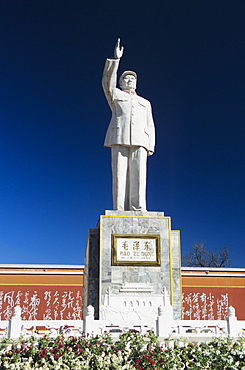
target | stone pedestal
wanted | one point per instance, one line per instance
(132, 258)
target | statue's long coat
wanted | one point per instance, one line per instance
(131, 122)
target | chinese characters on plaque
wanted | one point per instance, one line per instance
(136, 250)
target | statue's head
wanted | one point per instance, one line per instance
(128, 80)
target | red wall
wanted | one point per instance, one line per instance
(208, 296)
(42, 302)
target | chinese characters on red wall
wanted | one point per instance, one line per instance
(205, 305)
(42, 302)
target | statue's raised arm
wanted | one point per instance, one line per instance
(118, 51)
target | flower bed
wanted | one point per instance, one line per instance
(130, 351)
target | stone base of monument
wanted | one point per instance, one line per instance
(132, 269)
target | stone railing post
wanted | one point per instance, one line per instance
(232, 324)
(89, 321)
(164, 321)
(14, 330)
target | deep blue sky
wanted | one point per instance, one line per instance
(55, 174)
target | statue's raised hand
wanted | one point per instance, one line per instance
(118, 52)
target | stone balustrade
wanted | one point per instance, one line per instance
(194, 330)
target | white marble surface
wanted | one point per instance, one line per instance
(130, 135)
(135, 305)
(166, 275)
(101, 275)
(134, 213)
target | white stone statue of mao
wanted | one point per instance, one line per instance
(130, 135)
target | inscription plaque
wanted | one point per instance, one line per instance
(141, 250)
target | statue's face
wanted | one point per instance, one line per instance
(128, 82)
